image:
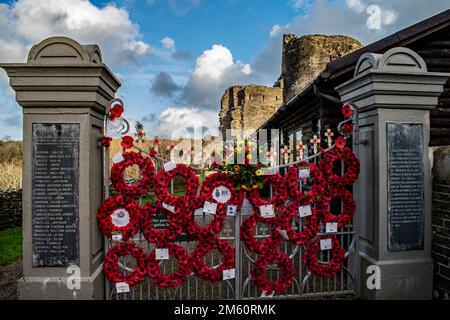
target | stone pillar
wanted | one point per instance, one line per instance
(64, 90)
(394, 93)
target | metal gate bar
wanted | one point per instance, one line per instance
(304, 285)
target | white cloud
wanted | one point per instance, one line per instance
(182, 121)
(331, 17)
(213, 72)
(377, 16)
(276, 29)
(356, 5)
(168, 43)
(26, 22)
(299, 4)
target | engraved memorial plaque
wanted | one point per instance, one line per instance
(405, 187)
(55, 207)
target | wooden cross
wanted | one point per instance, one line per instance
(286, 151)
(315, 141)
(329, 135)
(301, 150)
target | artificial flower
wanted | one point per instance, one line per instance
(347, 111)
(115, 112)
(347, 128)
(340, 142)
(105, 141)
(127, 142)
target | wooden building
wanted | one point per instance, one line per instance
(313, 109)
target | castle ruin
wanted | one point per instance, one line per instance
(247, 107)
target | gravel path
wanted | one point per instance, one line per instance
(9, 273)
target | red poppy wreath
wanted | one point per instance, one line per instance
(279, 196)
(117, 215)
(292, 185)
(351, 163)
(123, 249)
(154, 235)
(311, 225)
(287, 273)
(259, 246)
(139, 189)
(348, 210)
(212, 229)
(163, 179)
(215, 184)
(176, 278)
(212, 273)
(333, 266)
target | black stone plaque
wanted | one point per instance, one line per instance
(405, 187)
(55, 159)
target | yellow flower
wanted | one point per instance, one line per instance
(249, 157)
(258, 172)
(244, 187)
(237, 149)
(237, 168)
(255, 186)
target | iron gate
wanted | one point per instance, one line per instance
(194, 288)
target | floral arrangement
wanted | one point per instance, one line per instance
(123, 249)
(333, 266)
(173, 279)
(139, 189)
(119, 205)
(287, 272)
(228, 186)
(208, 273)
(247, 176)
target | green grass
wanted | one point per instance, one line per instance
(10, 244)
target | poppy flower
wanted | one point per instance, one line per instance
(116, 111)
(340, 142)
(153, 153)
(347, 128)
(127, 142)
(347, 111)
(105, 141)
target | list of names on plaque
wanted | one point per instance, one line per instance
(405, 186)
(55, 194)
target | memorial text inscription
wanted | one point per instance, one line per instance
(55, 194)
(405, 186)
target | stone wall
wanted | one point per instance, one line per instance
(305, 57)
(248, 107)
(441, 223)
(10, 208)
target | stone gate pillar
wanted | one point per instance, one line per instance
(64, 90)
(394, 94)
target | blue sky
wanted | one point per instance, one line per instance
(176, 57)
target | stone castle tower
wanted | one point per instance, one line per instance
(303, 58)
(248, 107)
